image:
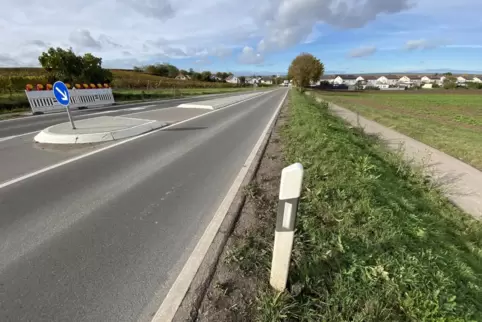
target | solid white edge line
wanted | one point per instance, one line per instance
(32, 174)
(16, 136)
(178, 290)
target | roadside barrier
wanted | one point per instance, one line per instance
(42, 100)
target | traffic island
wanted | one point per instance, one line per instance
(96, 130)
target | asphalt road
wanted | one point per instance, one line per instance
(104, 237)
(33, 123)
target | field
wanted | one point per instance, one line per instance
(374, 240)
(450, 121)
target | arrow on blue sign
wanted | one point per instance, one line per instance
(61, 93)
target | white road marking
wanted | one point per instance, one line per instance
(139, 108)
(178, 290)
(105, 112)
(33, 174)
(16, 136)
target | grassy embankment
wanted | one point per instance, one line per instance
(451, 122)
(374, 241)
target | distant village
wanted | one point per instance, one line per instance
(395, 81)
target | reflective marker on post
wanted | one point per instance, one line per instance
(289, 194)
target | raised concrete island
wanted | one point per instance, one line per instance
(98, 129)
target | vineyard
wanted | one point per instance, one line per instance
(15, 79)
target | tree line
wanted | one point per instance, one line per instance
(171, 71)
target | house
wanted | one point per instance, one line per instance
(360, 80)
(382, 80)
(426, 80)
(232, 79)
(392, 80)
(183, 77)
(461, 80)
(338, 80)
(370, 80)
(404, 81)
(327, 78)
(215, 78)
(253, 80)
(267, 81)
(349, 80)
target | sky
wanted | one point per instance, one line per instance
(249, 36)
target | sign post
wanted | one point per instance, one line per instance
(61, 93)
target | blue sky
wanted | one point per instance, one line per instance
(251, 36)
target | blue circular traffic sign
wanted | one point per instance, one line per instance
(61, 93)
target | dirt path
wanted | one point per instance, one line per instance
(461, 183)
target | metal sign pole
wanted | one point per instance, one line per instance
(70, 117)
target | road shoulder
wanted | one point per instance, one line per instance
(205, 291)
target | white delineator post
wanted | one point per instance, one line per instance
(289, 194)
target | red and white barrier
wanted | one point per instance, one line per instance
(43, 101)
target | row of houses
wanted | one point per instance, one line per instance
(250, 80)
(394, 80)
(233, 79)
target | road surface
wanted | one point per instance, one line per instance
(104, 237)
(33, 123)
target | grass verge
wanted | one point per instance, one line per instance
(374, 240)
(450, 123)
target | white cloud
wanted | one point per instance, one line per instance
(84, 40)
(289, 22)
(157, 9)
(362, 51)
(160, 29)
(7, 61)
(424, 44)
(250, 56)
(204, 61)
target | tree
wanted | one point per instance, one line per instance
(63, 65)
(92, 70)
(184, 72)
(242, 80)
(206, 76)
(359, 85)
(305, 68)
(450, 82)
(66, 66)
(172, 71)
(196, 76)
(226, 75)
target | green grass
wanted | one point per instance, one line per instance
(374, 240)
(449, 122)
